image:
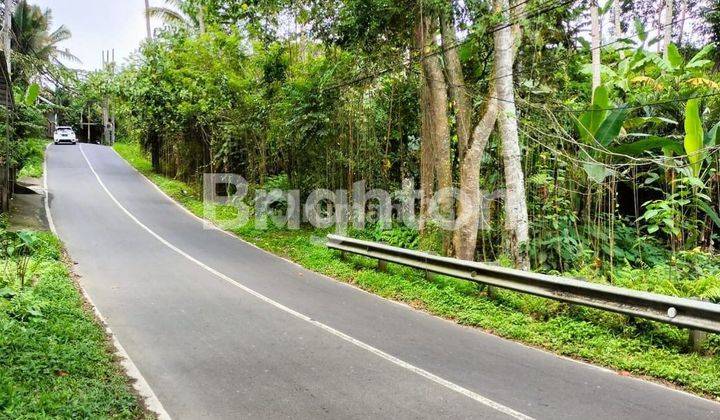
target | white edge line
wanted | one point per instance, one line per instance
(405, 365)
(207, 223)
(46, 198)
(139, 382)
(212, 226)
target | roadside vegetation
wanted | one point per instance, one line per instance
(618, 177)
(598, 148)
(33, 158)
(616, 138)
(636, 346)
(55, 358)
(36, 72)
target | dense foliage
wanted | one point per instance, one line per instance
(322, 94)
(38, 78)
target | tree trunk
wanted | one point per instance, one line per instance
(436, 130)
(427, 173)
(470, 204)
(456, 80)
(667, 27)
(516, 214)
(201, 18)
(681, 21)
(595, 44)
(147, 19)
(617, 27)
(154, 150)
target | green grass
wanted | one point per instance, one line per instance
(55, 358)
(641, 347)
(34, 157)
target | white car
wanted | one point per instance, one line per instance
(64, 135)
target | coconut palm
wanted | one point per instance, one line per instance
(33, 37)
(175, 14)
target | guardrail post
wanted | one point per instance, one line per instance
(697, 341)
(382, 266)
(697, 338)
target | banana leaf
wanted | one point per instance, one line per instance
(610, 128)
(709, 211)
(648, 144)
(694, 136)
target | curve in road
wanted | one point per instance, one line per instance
(222, 329)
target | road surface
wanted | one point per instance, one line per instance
(221, 329)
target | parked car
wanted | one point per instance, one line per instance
(64, 135)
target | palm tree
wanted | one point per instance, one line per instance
(32, 36)
(175, 14)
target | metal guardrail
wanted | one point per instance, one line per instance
(688, 313)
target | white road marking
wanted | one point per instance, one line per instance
(405, 365)
(140, 384)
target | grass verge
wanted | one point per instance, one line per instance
(56, 360)
(33, 157)
(639, 347)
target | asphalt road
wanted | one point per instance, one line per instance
(220, 329)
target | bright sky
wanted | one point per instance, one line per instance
(99, 25)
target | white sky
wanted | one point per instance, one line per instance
(99, 25)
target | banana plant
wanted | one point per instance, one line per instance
(599, 126)
(711, 137)
(694, 136)
(695, 144)
(30, 96)
(691, 73)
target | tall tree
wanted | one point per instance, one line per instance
(182, 13)
(681, 20)
(436, 159)
(459, 92)
(516, 213)
(667, 27)
(148, 27)
(470, 203)
(617, 25)
(33, 37)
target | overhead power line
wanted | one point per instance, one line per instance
(535, 12)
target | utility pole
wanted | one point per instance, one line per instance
(112, 113)
(105, 103)
(108, 119)
(147, 19)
